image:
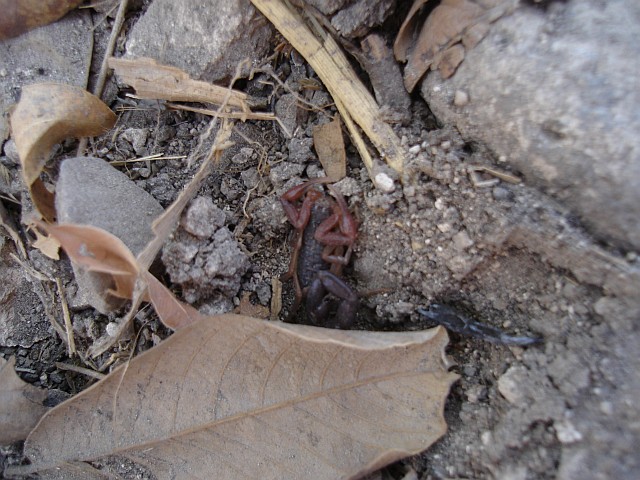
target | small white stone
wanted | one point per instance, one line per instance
(446, 145)
(460, 98)
(112, 329)
(384, 183)
(414, 150)
(567, 433)
(444, 227)
(486, 438)
(439, 204)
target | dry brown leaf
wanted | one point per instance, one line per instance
(248, 309)
(48, 245)
(20, 404)
(404, 39)
(329, 145)
(99, 251)
(451, 22)
(46, 114)
(235, 397)
(19, 16)
(445, 25)
(152, 80)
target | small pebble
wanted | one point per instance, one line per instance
(414, 150)
(460, 98)
(567, 433)
(112, 329)
(384, 183)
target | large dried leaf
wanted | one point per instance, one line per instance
(19, 16)
(234, 397)
(20, 404)
(45, 115)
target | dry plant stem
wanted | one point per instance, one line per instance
(9, 226)
(104, 67)
(71, 343)
(333, 68)
(155, 81)
(81, 370)
(232, 115)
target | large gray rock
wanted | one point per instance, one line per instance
(91, 192)
(207, 39)
(555, 94)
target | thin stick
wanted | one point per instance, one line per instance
(71, 343)
(104, 68)
(84, 371)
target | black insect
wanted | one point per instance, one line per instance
(458, 323)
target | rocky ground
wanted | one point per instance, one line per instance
(486, 218)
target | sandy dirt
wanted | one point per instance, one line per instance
(502, 253)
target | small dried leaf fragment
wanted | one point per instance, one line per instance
(329, 145)
(330, 403)
(19, 16)
(404, 39)
(451, 22)
(20, 404)
(46, 114)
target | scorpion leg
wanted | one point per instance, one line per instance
(318, 301)
(456, 322)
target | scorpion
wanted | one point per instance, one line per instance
(325, 232)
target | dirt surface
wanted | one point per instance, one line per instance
(502, 253)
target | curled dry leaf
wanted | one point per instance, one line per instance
(19, 16)
(99, 251)
(329, 145)
(20, 404)
(46, 114)
(235, 397)
(404, 39)
(448, 24)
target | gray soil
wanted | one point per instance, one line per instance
(504, 254)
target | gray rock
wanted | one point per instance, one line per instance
(300, 150)
(58, 52)
(206, 39)
(327, 6)
(91, 192)
(208, 268)
(283, 171)
(550, 91)
(202, 218)
(357, 19)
